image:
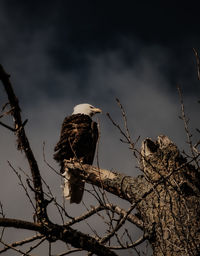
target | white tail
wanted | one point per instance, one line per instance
(73, 188)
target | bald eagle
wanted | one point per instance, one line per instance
(78, 138)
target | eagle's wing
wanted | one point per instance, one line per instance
(79, 135)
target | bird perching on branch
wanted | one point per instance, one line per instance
(78, 138)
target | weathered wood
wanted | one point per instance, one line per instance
(126, 187)
(173, 208)
(167, 196)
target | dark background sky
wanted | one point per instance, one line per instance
(75, 29)
(61, 53)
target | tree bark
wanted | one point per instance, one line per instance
(166, 196)
(172, 210)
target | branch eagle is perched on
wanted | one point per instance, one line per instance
(78, 138)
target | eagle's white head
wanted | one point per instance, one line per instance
(86, 109)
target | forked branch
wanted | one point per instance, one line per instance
(23, 144)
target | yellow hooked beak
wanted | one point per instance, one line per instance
(96, 110)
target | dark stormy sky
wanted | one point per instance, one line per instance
(61, 53)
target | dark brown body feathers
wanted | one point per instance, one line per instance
(79, 135)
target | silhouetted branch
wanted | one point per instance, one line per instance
(3, 216)
(23, 144)
(8, 127)
(114, 208)
(69, 252)
(22, 184)
(16, 223)
(198, 63)
(118, 226)
(35, 246)
(136, 243)
(22, 242)
(126, 134)
(14, 249)
(186, 126)
(57, 232)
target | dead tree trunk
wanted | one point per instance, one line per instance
(167, 196)
(172, 210)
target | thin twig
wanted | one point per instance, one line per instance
(197, 63)
(45, 161)
(125, 134)
(8, 127)
(5, 106)
(187, 130)
(68, 252)
(3, 215)
(58, 206)
(13, 248)
(136, 243)
(114, 208)
(22, 184)
(6, 113)
(125, 124)
(101, 190)
(35, 246)
(118, 226)
(22, 242)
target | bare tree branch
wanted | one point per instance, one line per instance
(136, 243)
(132, 218)
(35, 246)
(23, 144)
(56, 232)
(198, 63)
(186, 126)
(16, 223)
(8, 127)
(69, 252)
(15, 249)
(115, 183)
(22, 184)
(22, 242)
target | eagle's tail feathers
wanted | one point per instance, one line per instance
(73, 188)
(66, 187)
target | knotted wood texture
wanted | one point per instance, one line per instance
(172, 211)
(167, 196)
